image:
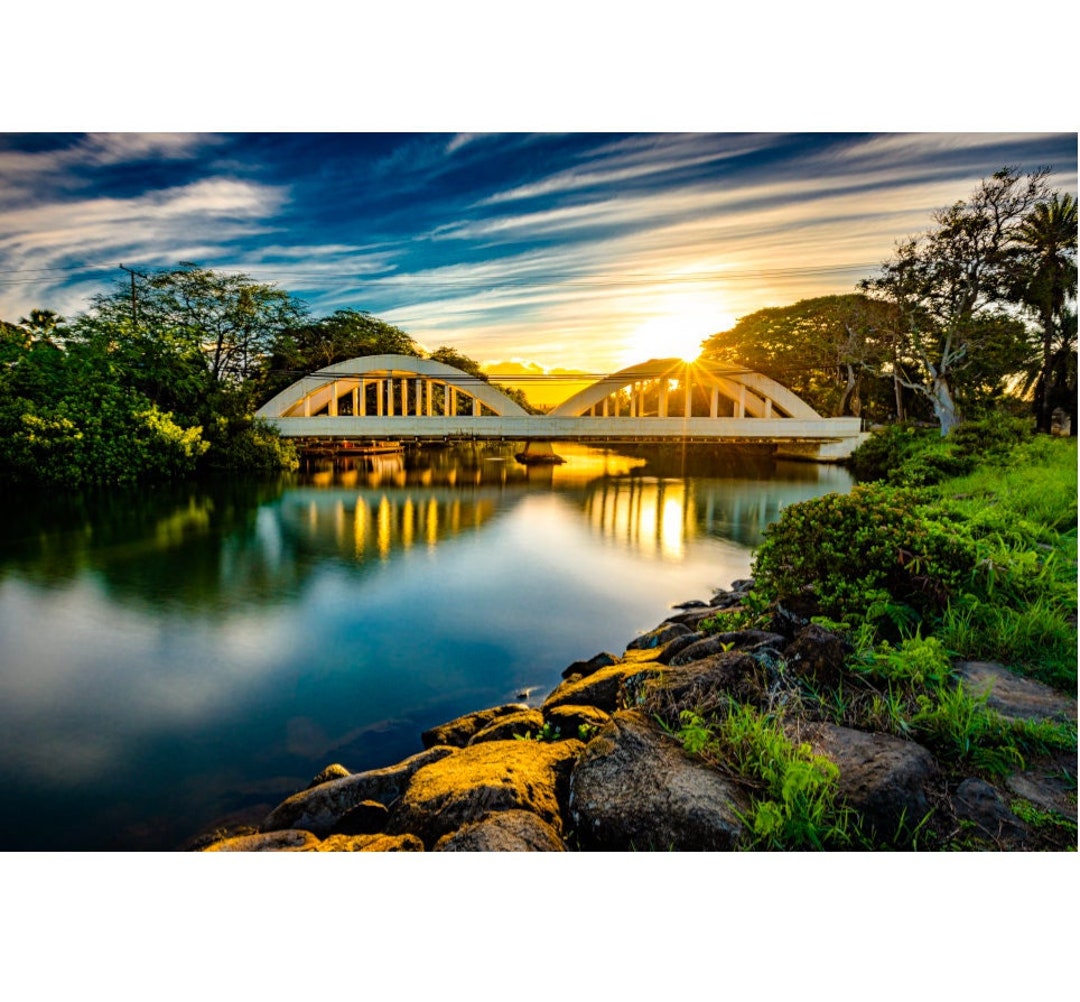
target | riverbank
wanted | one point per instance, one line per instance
(839, 702)
(626, 754)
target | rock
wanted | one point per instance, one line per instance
(635, 789)
(287, 840)
(743, 585)
(366, 818)
(335, 771)
(1013, 696)
(977, 801)
(601, 689)
(818, 655)
(658, 637)
(691, 603)
(568, 719)
(1049, 783)
(785, 623)
(456, 733)
(493, 776)
(735, 640)
(693, 618)
(679, 644)
(889, 782)
(704, 686)
(594, 664)
(293, 840)
(725, 599)
(370, 843)
(513, 724)
(320, 808)
(503, 831)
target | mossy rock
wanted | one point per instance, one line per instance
(491, 776)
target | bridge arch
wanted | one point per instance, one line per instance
(646, 389)
(388, 386)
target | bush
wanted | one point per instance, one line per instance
(250, 446)
(911, 457)
(872, 549)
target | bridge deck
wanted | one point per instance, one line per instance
(579, 429)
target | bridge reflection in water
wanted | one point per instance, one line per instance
(366, 509)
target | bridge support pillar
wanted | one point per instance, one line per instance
(539, 453)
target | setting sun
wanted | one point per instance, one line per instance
(675, 328)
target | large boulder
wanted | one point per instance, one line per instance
(288, 840)
(705, 687)
(370, 843)
(503, 831)
(513, 725)
(568, 720)
(602, 689)
(635, 789)
(292, 840)
(321, 808)
(457, 732)
(492, 776)
(890, 783)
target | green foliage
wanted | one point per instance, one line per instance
(956, 343)
(825, 350)
(250, 446)
(905, 456)
(798, 807)
(751, 613)
(922, 699)
(866, 552)
(1030, 814)
(343, 335)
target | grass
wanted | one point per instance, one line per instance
(797, 807)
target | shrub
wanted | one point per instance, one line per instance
(250, 446)
(875, 547)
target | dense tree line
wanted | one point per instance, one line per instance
(980, 307)
(161, 379)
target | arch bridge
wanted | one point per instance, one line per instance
(399, 397)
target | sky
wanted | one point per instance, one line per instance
(526, 251)
(929, 98)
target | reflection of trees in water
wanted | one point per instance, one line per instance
(180, 545)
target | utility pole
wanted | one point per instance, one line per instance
(134, 302)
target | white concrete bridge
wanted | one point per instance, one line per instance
(399, 397)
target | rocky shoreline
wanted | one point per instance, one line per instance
(595, 767)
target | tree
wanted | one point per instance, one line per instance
(946, 283)
(829, 351)
(1046, 282)
(344, 334)
(228, 320)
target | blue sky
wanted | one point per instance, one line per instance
(582, 250)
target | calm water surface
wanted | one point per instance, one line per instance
(177, 660)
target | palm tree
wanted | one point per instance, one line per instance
(1047, 238)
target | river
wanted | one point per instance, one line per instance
(176, 660)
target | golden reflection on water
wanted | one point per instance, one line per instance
(654, 517)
